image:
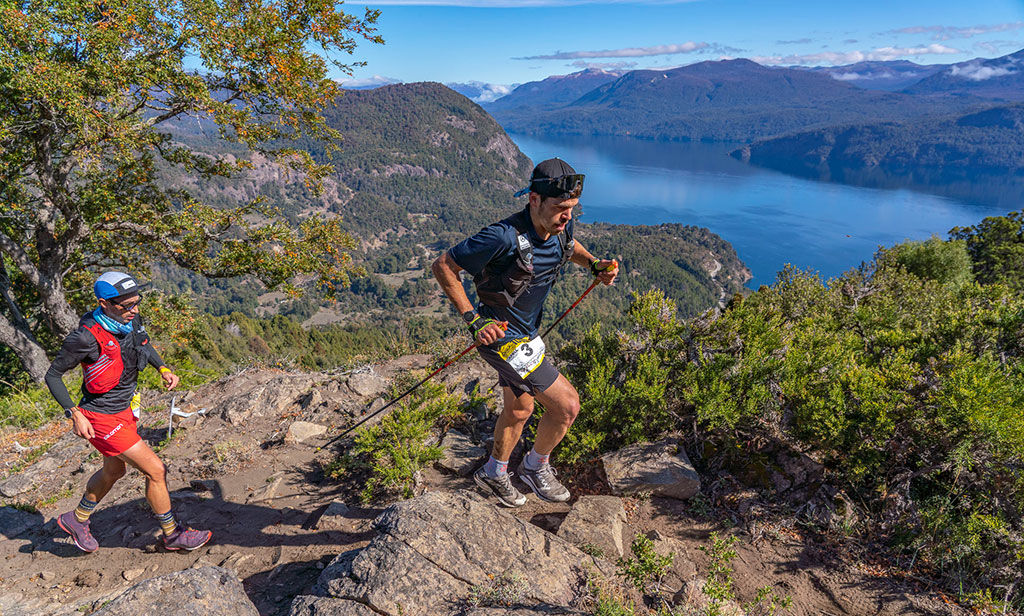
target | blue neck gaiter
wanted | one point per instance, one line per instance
(109, 324)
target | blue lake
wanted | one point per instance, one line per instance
(771, 218)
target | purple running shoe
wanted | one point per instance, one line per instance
(187, 539)
(79, 531)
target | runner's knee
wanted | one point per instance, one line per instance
(570, 408)
(157, 474)
(114, 473)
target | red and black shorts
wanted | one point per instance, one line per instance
(115, 433)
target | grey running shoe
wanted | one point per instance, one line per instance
(79, 531)
(187, 539)
(501, 487)
(543, 483)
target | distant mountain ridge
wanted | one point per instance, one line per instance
(554, 91)
(1001, 78)
(727, 100)
(891, 75)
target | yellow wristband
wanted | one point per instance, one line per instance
(164, 369)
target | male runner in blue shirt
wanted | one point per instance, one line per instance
(514, 263)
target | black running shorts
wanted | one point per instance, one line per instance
(542, 377)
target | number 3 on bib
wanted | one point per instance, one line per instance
(523, 354)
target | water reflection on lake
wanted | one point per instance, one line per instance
(771, 218)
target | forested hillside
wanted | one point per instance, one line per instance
(420, 168)
(987, 141)
(728, 100)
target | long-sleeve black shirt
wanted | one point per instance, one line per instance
(81, 346)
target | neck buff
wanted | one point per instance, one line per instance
(110, 324)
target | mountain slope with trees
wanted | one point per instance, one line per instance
(987, 141)
(86, 96)
(728, 100)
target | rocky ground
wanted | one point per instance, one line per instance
(287, 540)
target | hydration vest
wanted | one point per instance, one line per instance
(104, 374)
(504, 288)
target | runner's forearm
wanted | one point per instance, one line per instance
(446, 271)
(154, 357)
(58, 390)
(581, 256)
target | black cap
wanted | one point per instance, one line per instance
(546, 176)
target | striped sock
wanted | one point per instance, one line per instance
(84, 509)
(167, 522)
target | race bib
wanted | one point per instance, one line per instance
(523, 354)
(136, 404)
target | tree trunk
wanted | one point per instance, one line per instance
(32, 355)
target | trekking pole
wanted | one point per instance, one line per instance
(502, 325)
(577, 302)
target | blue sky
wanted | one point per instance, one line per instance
(506, 42)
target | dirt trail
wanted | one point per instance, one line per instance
(264, 500)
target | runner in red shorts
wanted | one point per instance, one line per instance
(112, 346)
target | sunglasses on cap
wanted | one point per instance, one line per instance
(563, 187)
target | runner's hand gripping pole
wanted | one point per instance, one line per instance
(502, 324)
(593, 267)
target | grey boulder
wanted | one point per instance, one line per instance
(431, 552)
(596, 522)
(193, 592)
(660, 468)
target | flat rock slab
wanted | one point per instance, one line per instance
(193, 592)
(14, 521)
(300, 431)
(597, 521)
(306, 605)
(366, 384)
(335, 517)
(660, 468)
(461, 454)
(431, 551)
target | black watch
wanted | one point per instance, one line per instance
(468, 316)
(69, 412)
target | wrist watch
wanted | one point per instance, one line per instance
(468, 316)
(69, 412)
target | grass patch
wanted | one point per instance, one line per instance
(51, 500)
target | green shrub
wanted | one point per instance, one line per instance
(646, 568)
(396, 449)
(905, 381)
(945, 262)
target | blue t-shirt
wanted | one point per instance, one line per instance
(494, 248)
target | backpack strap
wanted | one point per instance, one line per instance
(524, 249)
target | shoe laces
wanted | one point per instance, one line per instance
(545, 474)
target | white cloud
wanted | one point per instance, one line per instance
(975, 71)
(627, 52)
(607, 66)
(944, 33)
(369, 82)
(835, 58)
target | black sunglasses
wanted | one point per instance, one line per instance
(128, 307)
(564, 187)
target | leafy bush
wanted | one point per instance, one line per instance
(396, 449)
(906, 381)
(646, 568)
